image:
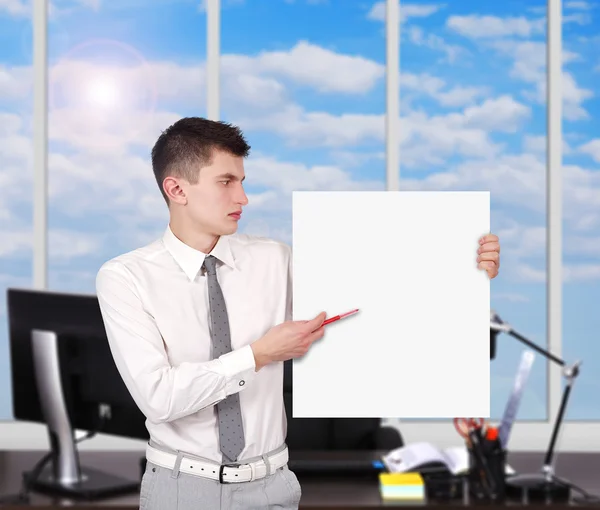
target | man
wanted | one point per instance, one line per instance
(199, 323)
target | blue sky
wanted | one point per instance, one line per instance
(305, 80)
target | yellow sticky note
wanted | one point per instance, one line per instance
(401, 479)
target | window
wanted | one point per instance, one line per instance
(310, 96)
(474, 118)
(567, 202)
(479, 110)
(16, 171)
(581, 206)
(119, 74)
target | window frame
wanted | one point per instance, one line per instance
(526, 436)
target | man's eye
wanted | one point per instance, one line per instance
(225, 182)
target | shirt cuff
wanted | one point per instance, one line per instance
(239, 368)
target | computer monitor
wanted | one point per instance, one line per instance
(64, 376)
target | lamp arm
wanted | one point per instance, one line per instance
(570, 373)
(535, 347)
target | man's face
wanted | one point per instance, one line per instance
(215, 203)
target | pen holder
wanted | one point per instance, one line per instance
(490, 483)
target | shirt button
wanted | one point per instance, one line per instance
(242, 383)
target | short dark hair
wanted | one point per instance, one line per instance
(189, 144)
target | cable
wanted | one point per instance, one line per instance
(23, 497)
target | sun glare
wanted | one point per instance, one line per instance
(103, 93)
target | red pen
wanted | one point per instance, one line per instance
(338, 317)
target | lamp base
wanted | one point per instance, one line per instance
(536, 487)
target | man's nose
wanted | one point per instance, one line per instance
(242, 197)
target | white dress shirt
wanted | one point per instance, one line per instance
(154, 302)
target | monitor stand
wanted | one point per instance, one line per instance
(64, 476)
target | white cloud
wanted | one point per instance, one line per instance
(84, 84)
(114, 99)
(15, 83)
(529, 65)
(15, 7)
(23, 8)
(407, 11)
(529, 57)
(16, 170)
(499, 114)
(15, 242)
(539, 9)
(418, 37)
(578, 5)
(91, 4)
(538, 145)
(302, 128)
(581, 273)
(311, 65)
(99, 133)
(63, 245)
(491, 27)
(580, 18)
(285, 177)
(528, 273)
(592, 148)
(10, 124)
(431, 140)
(581, 245)
(424, 139)
(516, 181)
(581, 195)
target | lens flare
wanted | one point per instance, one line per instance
(102, 93)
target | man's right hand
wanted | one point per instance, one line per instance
(288, 340)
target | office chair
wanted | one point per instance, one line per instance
(320, 434)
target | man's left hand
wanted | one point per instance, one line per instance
(488, 254)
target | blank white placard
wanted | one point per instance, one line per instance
(419, 346)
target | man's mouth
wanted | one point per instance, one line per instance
(236, 215)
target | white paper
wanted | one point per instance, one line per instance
(419, 346)
(420, 455)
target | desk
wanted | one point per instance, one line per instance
(579, 468)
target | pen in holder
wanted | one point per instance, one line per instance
(487, 464)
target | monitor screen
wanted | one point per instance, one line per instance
(88, 374)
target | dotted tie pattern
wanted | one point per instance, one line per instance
(231, 428)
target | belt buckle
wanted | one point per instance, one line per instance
(222, 467)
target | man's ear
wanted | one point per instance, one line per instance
(174, 190)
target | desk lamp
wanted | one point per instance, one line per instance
(544, 483)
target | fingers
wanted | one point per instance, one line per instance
(493, 256)
(315, 323)
(490, 246)
(489, 254)
(490, 267)
(315, 335)
(488, 238)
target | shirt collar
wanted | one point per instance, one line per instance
(190, 259)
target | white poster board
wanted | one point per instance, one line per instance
(419, 345)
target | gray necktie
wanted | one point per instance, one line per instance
(231, 428)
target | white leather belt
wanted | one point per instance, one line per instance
(227, 473)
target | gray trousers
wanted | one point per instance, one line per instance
(169, 489)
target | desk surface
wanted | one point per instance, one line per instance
(579, 468)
